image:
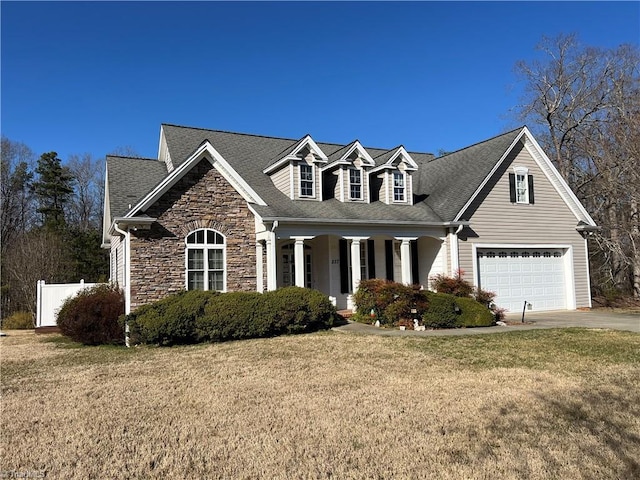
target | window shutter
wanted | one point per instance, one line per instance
(415, 269)
(388, 251)
(371, 258)
(512, 187)
(344, 266)
(530, 180)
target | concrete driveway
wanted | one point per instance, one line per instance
(560, 319)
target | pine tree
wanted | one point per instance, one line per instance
(53, 189)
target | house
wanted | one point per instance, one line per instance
(230, 211)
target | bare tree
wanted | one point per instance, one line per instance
(86, 203)
(584, 104)
(17, 207)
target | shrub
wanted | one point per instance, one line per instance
(170, 321)
(391, 301)
(473, 313)
(233, 316)
(298, 310)
(196, 316)
(441, 312)
(91, 316)
(18, 321)
(484, 297)
(455, 285)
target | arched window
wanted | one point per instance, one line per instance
(206, 260)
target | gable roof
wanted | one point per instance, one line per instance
(129, 179)
(451, 180)
(443, 186)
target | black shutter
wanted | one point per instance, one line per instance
(388, 251)
(415, 269)
(530, 179)
(512, 187)
(371, 258)
(344, 266)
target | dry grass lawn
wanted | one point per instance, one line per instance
(539, 404)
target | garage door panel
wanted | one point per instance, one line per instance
(516, 275)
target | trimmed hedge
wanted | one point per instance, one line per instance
(170, 321)
(197, 316)
(441, 312)
(473, 313)
(91, 316)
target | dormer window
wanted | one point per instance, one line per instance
(306, 180)
(398, 187)
(355, 184)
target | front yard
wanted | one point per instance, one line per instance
(533, 404)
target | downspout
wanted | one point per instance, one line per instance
(127, 278)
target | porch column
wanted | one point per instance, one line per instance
(356, 266)
(453, 244)
(405, 258)
(272, 278)
(259, 267)
(298, 253)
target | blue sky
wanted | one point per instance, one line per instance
(91, 77)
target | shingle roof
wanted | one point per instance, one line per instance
(446, 182)
(450, 181)
(130, 179)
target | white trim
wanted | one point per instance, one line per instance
(569, 277)
(400, 152)
(586, 255)
(205, 247)
(545, 164)
(521, 172)
(554, 176)
(361, 172)
(392, 192)
(218, 162)
(313, 179)
(362, 154)
(293, 155)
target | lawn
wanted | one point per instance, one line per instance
(532, 404)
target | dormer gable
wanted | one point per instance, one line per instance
(346, 175)
(296, 170)
(393, 177)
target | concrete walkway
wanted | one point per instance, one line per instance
(533, 321)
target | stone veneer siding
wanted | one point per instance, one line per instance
(201, 199)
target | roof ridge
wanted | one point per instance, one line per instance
(284, 138)
(480, 142)
(146, 159)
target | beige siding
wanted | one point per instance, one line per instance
(117, 260)
(281, 179)
(495, 220)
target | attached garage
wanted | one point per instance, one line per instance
(540, 276)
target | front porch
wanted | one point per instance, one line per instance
(336, 263)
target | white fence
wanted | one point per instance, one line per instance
(51, 297)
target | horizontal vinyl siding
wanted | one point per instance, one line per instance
(281, 180)
(495, 220)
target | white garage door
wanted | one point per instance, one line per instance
(518, 275)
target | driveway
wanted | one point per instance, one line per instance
(560, 319)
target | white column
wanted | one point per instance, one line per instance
(453, 244)
(259, 267)
(405, 259)
(355, 264)
(298, 253)
(272, 277)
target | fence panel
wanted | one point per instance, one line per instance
(51, 297)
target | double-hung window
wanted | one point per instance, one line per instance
(306, 180)
(521, 186)
(355, 184)
(522, 192)
(398, 187)
(206, 260)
